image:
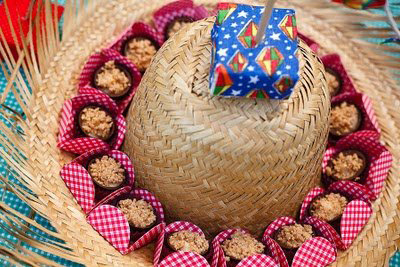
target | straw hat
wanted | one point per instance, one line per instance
(92, 29)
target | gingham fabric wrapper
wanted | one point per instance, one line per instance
(184, 259)
(162, 250)
(178, 9)
(80, 183)
(310, 42)
(322, 250)
(128, 244)
(334, 62)
(350, 190)
(378, 157)
(69, 138)
(95, 62)
(138, 29)
(219, 260)
(242, 68)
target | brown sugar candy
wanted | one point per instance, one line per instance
(176, 25)
(139, 213)
(140, 51)
(293, 236)
(334, 82)
(328, 208)
(96, 122)
(347, 165)
(241, 246)
(113, 79)
(188, 241)
(106, 172)
(345, 119)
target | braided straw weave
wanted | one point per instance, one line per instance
(91, 29)
(225, 163)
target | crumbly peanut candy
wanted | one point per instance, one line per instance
(141, 52)
(112, 78)
(107, 172)
(241, 245)
(329, 207)
(344, 167)
(333, 83)
(188, 241)
(176, 26)
(96, 122)
(344, 118)
(293, 236)
(139, 213)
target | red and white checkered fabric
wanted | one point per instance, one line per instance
(172, 228)
(111, 223)
(334, 62)
(138, 29)
(145, 238)
(95, 62)
(322, 251)
(182, 8)
(364, 105)
(80, 184)
(355, 216)
(70, 139)
(119, 156)
(378, 157)
(349, 189)
(258, 260)
(183, 259)
(315, 252)
(327, 231)
(310, 42)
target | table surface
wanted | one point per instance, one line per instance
(14, 202)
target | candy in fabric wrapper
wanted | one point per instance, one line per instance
(315, 252)
(219, 260)
(334, 62)
(379, 160)
(356, 214)
(165, 256)
(107, 220)
(95, 62)
(70, 137)
(176, 10)
(240, 67)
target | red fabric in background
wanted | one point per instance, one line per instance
(362, 4)
(18, 10)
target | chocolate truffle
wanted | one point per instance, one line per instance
(106, 172)
(347, 165)
(334, 82)
(140, 51)
(176, 25)
(293, 236)
(96, 122)
(241, 246)
(188, 241)
(345, 119)
(329, 207)
(113, 79)
(139, 213)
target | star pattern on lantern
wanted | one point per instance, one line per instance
(226, 10)
(248, 35)
(224, 81)
(270, 59)
(289, 26)
(283, 84)
(238, 63)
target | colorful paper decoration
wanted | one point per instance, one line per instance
(242, 68)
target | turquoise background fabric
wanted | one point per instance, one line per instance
(14, 202)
